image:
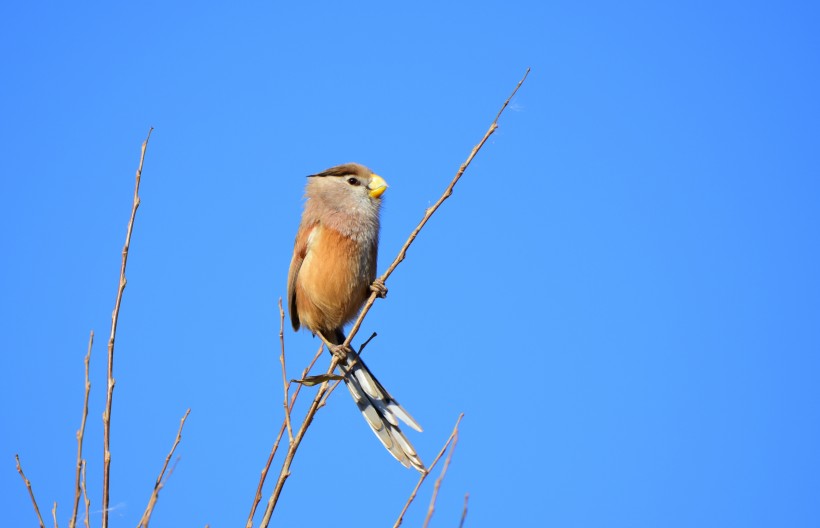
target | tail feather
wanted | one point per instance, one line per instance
(380, 411)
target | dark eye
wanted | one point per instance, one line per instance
(353, 181)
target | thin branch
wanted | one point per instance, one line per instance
(423, 476)
(86, 500)
(80, 433)
(284, 472)
(367, 341)
(264, 475)
(464, 510)
(429, 213)
(285, 384)
(54, 514)
(30, 491)
(114, 319)
(318, 402)
(146, 517)
(440, 479)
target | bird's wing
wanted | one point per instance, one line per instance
(300, 249)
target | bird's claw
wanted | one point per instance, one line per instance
(340, 352)
(379, 287)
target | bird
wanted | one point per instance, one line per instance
(332, 273)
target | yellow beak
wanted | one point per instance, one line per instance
(377, 186)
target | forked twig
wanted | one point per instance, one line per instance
(284, 473)
(80, 434)
(423, 476)
(30, 491)
(440, 479)
(114, 319)
(318, 401)
(146, 516)
(264, 475)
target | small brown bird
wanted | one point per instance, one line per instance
(332, 274)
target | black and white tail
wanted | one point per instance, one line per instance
(381, 411)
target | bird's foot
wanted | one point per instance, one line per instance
(379, 287)
(340, 352)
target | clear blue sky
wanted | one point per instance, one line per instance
(622, 295)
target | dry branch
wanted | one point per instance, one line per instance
(146, 516)
(80, 434)
(114, 319)
(30, 491)
(275, 448)
(464, 510)
(285, 384)
(284, 473)
(429, 469)
(440, 478)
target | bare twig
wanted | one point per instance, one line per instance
(80, 433)
(264, 475)
(464, 510)
(423, 476)
(318, 399)
(284, 473)
(285, 384)
(367, 341)
(112, 338)
(85, 498)
(54, 514)
(146, 516)
(440, 479)
(447, 192)
(30, 491)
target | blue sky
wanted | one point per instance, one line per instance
(622, 295)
